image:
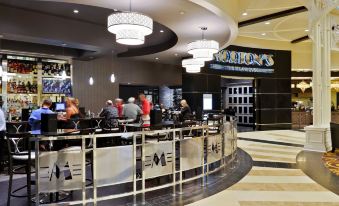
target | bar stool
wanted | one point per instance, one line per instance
(17, 143)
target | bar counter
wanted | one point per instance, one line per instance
(182, 150)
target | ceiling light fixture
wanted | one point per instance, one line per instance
(176, 54)
(203, 50)
(267, 23)
(76, 11)
(192, 65)
(112, 78)
(244, 14)
(156, 58)
(307, 30)
(130, 27)
(91, 81)
(264, 34)
(182, 12)
(162, 31)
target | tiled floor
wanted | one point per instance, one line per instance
(274, 180)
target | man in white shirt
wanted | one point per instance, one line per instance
(2, 135)
(131, 110)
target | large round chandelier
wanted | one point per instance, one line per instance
(203, 49)
(130, 28)
(192, 65)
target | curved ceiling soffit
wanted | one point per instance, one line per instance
(226, 24)
(232, 24)
(154, 43)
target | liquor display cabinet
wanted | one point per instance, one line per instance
(26, 81)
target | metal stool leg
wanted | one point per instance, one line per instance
(10, 170)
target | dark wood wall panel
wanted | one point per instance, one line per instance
(125, 70)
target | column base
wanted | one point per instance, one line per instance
(318, 139)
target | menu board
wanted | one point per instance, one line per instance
(56, 86)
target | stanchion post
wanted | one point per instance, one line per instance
(95, 192)
(181, 137)
(134, 170)
(37, 171)
(143, 168)
(207, 165)
(203, 157)
(174, 163)
(83, 165)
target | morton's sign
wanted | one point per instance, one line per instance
(243, 62)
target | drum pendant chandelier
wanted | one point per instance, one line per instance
(130, 27)
(203, 49)
(192, 65)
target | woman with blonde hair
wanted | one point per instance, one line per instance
(185, 111)
(72, 111)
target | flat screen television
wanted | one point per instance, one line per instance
(56, 86)
(207, 101)
(60, 106)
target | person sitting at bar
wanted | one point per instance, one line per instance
(71, 116)
(35, 118)
(185, 111)
(72, 111)
(131, 110)
(109, 113)
(119, 105)
(146, 110)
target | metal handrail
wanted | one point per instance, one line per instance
(177, 134)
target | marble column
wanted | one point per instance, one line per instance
(318, 136)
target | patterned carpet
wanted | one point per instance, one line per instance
(331, 161)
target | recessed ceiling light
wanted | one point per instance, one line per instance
(307, 30)
(76, 11)
(264, 34)
(63, 44)
(176, 54)
(156, 58)
(115, 10)
(244, 14)
(162, 31)
(267, 23)
(182, 12)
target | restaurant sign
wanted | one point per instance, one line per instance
(243, 62)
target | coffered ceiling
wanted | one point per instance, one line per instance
(283, 29)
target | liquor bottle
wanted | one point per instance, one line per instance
(15, 67)
(57, 70)
(35, 71)
(9, 86)
(29, 87)
(10, 63)
(61, 69)
(49, 70)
